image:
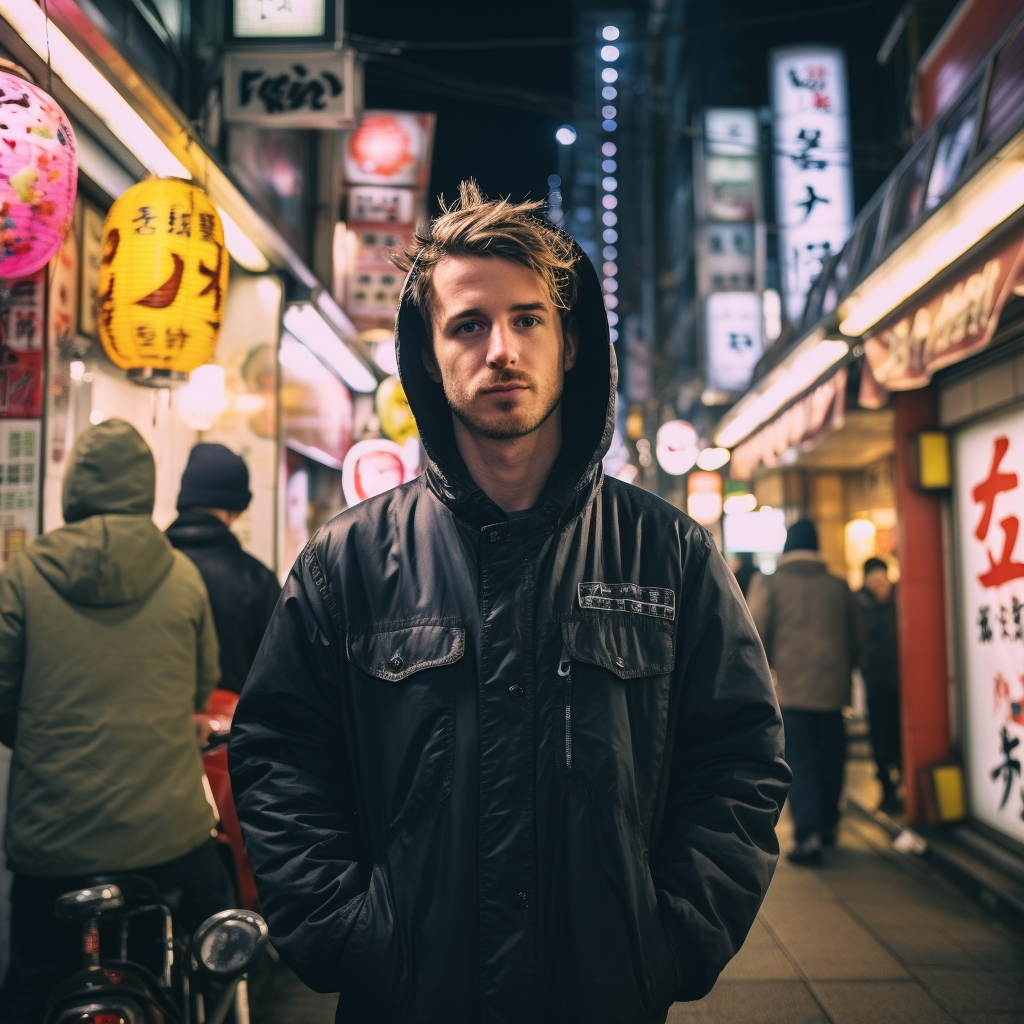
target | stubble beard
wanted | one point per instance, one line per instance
(510, 426)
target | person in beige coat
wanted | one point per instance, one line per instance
(811, 629)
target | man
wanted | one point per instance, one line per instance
(879, 664)
(243, 591)
(509, 751)
(107, 648)
(811, 630)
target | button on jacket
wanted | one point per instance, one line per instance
(511, 771)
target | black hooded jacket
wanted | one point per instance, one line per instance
(510, 771)
(243, 591)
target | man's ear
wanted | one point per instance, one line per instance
(572, 347)
(430, 364)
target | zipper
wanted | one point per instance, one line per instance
(565, 671)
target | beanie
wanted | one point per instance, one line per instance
(802, 536)
(215, 477)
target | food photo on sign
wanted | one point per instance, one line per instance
(990, 511)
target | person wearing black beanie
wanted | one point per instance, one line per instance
(243, 591)
(812, 631)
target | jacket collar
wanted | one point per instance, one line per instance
(195, 528)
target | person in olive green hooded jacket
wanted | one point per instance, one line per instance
(107, 647)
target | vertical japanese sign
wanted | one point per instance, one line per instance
(386, 168)
(813, 181)
(990, 500)
(728, 268)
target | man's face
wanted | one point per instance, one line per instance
(498, 348)
(877, 583)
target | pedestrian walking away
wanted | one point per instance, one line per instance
(242, 590)
(107, 647)
(812, 632)
(879, 665)
(510, 750)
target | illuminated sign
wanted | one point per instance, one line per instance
(279, 19)
(734, 332)
(762, 532)
(317, 89)
(990, 505)
(677, 447)
(814, 186)
(949, 325)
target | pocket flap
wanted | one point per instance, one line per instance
(399, 651)
(631, 646)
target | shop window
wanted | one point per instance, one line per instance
(1006, 97)
(953, 148)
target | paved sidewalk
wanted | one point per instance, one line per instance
(866, 939)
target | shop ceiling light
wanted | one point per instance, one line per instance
(610, 32)
(609, 75)
(794, 376)
(304, 321)
(92, 87)
(995, 192)
(244, 250)
(566, 135)
(609, 53)
(736, 504)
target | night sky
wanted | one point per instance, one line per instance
(509, 151)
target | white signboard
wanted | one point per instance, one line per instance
(990, 505)
(382, 205)
(734, 332)
(276, 19)
(294, 89)
(813, 182)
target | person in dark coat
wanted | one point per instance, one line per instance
(243, 591)
(812, 631)
(879, 665)
(510, 750)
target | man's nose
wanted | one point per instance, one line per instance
(502, 350)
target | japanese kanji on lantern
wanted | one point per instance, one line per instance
(163, 281)
(38, 176)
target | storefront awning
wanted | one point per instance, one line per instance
(944, 324)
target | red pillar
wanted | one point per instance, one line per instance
(922, 604)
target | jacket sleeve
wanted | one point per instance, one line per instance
(208, 655)
(12, 652)
(289, 770)
(714, 848)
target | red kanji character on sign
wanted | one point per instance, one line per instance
(1006, 569)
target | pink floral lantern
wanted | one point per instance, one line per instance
(38, 176)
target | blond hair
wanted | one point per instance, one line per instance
(477, 226)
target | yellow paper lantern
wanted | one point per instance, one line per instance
(163, 280)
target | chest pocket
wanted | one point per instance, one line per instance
(617, 684)
(403, 695)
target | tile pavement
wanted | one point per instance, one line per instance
(862, 940)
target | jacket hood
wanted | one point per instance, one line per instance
(110, 471)
(588, 404)
(103, 561)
